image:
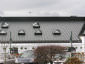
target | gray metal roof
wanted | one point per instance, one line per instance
(82, 33)
(47, 29)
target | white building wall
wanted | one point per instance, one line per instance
(83, 43)
(29, 46)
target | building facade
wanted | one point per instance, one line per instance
(27, 33)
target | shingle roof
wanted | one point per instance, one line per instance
(47, 29)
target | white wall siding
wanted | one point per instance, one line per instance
(29, 46)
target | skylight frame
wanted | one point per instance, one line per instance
(36, 25)
(57, 32)
(38, 32)
(21, 33)
(4, 25)
(2, 32)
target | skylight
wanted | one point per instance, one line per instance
(57, 32)
(4, 25)
(2, 32)
(36, 25)
(38, 32)
(21, 32)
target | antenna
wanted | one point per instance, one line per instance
(29, 13)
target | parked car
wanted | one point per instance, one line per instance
(26, 57)
(6, 58)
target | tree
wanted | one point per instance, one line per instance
(73, 60)
(46, 54)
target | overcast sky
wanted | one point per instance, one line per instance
(43, 7)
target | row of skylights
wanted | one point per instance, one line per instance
(37, 25)
(4, 25)
(37, 32)
(22, 32)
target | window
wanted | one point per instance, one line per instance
(36, 25)
(4, 25)
(75, 47)
(71, 49)
(80, 47)
(21, 48)
(57, 32)
(21, 32)
(14, 50)
(38, 32)
(2, 32)
(25, 48)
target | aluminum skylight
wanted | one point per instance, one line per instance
(2, 32)
(38, 32)
(21, 32)
(36, 25)
(4, 25)
(57, 32)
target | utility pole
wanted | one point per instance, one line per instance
(10, 42)
(4, 53)
(71, 43)
(29, 13)
(4, 46)
(4, 49)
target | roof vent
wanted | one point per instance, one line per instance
(38, 32)
(57, 32)
(2, 32)
(36, 25)
(21, 32)
(4, 25)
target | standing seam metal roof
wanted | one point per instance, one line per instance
(47, 28)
